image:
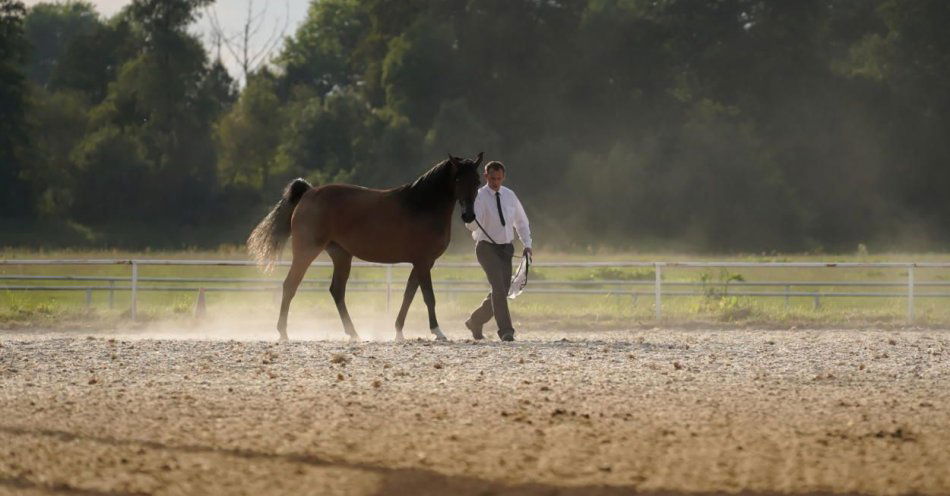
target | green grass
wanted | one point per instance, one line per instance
(718, 305)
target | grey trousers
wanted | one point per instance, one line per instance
(496, 262)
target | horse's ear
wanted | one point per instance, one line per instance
(478, 160)
(454, 162)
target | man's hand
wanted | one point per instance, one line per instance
(527, 253)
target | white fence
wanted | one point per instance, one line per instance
(635, 288)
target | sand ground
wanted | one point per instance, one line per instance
(612, 411)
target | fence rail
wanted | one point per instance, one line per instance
(605, 287)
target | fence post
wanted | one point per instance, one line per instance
(135, 289)
(389, 287)
(111, 293)
(88, 298)
(657, 291)
(817, 301)
(787, 289)
(910, 293)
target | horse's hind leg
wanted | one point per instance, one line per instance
(342, 261)
(411, 286)
(304, 253)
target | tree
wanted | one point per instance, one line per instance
(13, 110)
(162, 104)
(321, 53)
(92, 59)
(456, 129)
(165, 21)
(59, 121)
(112, 175)
(419, 71)
(247, 136)
(50, 28)
(917, 71)
(326, 139)
(718, 125)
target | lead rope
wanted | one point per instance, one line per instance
(491, 239)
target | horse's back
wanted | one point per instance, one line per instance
(371, 224)
(336, 191)
(331, 197)
(334, 205)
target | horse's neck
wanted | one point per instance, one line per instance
(436, 205)
(432, 192)
(430, 200)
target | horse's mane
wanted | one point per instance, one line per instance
(428, 186)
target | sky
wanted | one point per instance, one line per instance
(232, 15)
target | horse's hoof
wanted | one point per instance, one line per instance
(438, 334)
(400, 338)
(354, 338)
(283, 339)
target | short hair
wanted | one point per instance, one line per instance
(495, 165)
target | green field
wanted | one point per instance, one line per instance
(717, 304)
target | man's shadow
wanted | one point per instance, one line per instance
(392, 481)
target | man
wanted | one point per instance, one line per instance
(500, 213)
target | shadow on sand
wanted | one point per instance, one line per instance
(393, 481)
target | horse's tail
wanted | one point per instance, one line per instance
(267, 240)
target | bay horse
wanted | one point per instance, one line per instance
(411, 223)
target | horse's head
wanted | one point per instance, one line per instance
(466, 183)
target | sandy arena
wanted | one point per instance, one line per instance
(556, 413)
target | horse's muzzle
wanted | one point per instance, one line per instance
(467, 217)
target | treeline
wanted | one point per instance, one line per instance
(743, 125)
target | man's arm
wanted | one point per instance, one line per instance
(521, 225)
(472, 226)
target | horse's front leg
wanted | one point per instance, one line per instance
(428, 295)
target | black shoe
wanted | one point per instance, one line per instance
(508, 335)
(476, 330)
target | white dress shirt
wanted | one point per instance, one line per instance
(486, 212)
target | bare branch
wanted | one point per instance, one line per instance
(274, 39)
(218, 32)
(240, 44)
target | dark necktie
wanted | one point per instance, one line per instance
(498, 202)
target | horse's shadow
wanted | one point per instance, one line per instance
(391, 480)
